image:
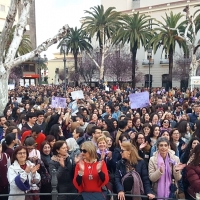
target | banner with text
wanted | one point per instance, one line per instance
(139, 100)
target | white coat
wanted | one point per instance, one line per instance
(13, 171)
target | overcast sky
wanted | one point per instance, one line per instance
(51, 15)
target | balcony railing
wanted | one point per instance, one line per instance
(145, 62)
(164, 61)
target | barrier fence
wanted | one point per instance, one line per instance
(54, 194)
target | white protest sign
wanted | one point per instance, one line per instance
(77, 95)
(19, 99)
(11, 86)
(139, 100)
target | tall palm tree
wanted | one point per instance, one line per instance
(102, 24)
(77, 41)
(135, 31)
(166, 37)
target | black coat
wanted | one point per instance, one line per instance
(141, 168)
(65, 177)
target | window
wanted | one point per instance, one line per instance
(165, 54)
(2, 8)
(32, 68)
(26, 68)
(29, 68)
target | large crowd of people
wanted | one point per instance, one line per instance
(103, 146)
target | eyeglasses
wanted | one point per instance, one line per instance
(165, 122)
(125, 140)
(122, 150)
(141, 138)
(21, 153)
(83, 150)
(176, 133)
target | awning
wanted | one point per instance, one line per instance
(31, 76)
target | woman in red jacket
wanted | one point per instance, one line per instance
(193, 173)
(90, 174)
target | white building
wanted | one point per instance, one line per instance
(156, 9)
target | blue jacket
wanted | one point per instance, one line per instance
(141, 168)
(193, 117)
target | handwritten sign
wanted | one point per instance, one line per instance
(11, 86)
(57, 102)
(139, 100)
(77, 95)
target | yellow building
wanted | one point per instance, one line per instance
(56, 65)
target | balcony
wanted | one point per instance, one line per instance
(164, 61)
(145, 62)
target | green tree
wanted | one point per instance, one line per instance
(135, 30)
(77, 41)
(166, 37)
(102, 24)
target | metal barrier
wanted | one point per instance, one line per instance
(55, 193)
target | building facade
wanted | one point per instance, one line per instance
(56, 69)
(159, 67)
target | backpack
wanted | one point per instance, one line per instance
(132, 183)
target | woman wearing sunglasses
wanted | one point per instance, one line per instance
(90, 174)
(131, 175)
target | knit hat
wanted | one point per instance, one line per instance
(22, 186)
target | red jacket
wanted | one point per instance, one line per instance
(93, 185)
(41, 137)
(193, 176)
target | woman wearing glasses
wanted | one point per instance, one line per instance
(22, 174)
(90, 174)
(131, 175)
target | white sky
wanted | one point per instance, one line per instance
(51, 15)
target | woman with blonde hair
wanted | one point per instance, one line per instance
(90, 174)
(131, 175)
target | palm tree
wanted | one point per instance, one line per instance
(77, 41)
(166, 37)
(25, 45)
(102, 24)
(135, 30)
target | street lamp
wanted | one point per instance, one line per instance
(40, 61)
(149, 51)
(64, 50)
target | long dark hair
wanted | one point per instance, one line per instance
(196, 153)
(197, 131)
(188, 149)
(182, 127)
(55, 130)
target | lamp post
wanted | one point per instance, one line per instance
(40, 61)
(149, 51)
(64, 49)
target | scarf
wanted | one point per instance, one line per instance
(164, 182)
(56, 158)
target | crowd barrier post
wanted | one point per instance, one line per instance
(54, 183)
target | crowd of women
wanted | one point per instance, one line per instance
(104, 147)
